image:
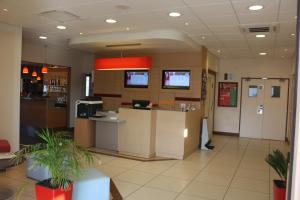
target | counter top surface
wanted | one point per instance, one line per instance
(107, 119)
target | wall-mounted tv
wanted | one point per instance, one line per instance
(136, 79)
(176, 79)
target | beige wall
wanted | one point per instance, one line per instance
(81, 63)
(228, 119)
(10, 56)
(112, 82)
(213, 62)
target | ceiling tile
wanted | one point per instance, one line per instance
(241, 6)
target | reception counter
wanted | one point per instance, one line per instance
(148, 133)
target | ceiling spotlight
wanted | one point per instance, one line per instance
(255, 7)
(174, 14)
(80, 33)
(292, 34)
(43, 37)
(203, 37)
(186, 24)
(219, 51)
(111, 21)
(260, 36)
(295, 17)
(262, 53)
(61, 27)
(5, 9)
(282, 56)
(285, 50)
(127, 29)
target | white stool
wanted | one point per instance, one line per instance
(38, 173)
(92, 185)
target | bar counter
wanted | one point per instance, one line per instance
(42, 113)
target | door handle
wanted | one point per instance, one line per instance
(260, 110)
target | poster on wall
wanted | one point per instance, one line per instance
(227, 94)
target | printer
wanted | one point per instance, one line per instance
(87, 107)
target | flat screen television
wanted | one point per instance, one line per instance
(176, 79)
(136, 79)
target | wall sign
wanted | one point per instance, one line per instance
(227, 94)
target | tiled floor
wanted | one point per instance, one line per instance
(234, 170)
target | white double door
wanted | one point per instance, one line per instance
(264, 108)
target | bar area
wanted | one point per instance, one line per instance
(44, 99)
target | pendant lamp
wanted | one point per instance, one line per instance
(38, 78)
(34, 73)
(44, 69)
(25, 70)
(124, 63)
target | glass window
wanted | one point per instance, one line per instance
(253, 91)
(275, 91)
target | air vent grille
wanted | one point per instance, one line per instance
(259, 29)
(124, 45)
(262, 28)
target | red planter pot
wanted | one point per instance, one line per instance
(45, 193)
(279, 189)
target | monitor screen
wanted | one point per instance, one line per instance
(136, 79)
(176, 79)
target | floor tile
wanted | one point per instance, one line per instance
(181, 173)
(236, 194)
(189, 197)
(124, 163)
(205, 190)
(262, 175)
(126, 188)
(251, 185)
(111, 171)
(134, 176)
(146, 193)
(168, 183)
(214, 178)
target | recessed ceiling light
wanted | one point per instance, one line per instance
(292, 34)
(219, 51)
(43, 37)
(80, 33)
(295, 17)
(262, 53)
(127, 28)
(203, 37)
(111, 21)
(174, 14)
(5, 9)
(61, 27)
(186, 23)
(260, 36)
(255, 7)
(282, 56)
(285, 50)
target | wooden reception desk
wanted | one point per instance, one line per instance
(164, 133)
(143, 133)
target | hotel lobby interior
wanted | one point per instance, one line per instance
(149, 100)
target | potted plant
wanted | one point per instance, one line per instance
(279, 163)
(62, 157)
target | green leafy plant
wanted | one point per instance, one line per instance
(279, 163)
(59, 154)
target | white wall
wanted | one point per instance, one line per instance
(10, 61)
(81, 63)
(228, 119)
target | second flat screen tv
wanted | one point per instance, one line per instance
(136, 79)
(176, 79)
